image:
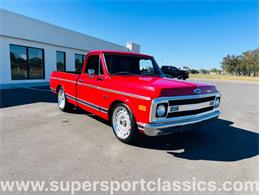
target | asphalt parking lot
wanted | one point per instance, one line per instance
(39, 142)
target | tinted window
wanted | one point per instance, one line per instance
(18, 57)
(128, 64)
(79, 60)
(94, 63)
(26, 62)
(35, 62)
(174, 69)
(60, 61)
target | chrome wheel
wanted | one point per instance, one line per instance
(121, 122)
(61, 99)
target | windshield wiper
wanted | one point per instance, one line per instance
(123, 72)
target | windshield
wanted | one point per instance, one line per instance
(132, 65)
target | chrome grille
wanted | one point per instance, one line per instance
(188, 107)
(184, 106)
(189, 112)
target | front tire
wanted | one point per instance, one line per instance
(63, 104)
(123, 124)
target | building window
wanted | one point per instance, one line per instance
(79, 60)
(19, 68)
(35, 63)
(61, 61)
(26, 62)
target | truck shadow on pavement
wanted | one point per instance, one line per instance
(219, 141)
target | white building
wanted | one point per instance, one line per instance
(31, 49)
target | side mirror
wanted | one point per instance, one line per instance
(91, 72)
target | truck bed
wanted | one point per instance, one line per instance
(67, 80)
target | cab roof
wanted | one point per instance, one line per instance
(119, 53)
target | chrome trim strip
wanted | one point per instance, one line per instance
(87, 85)
(70, 98)
(141, 128)
(99, 108)
(125, 93)
(186, 97)
(189, 107)
(103, 111)
(155, 128)
(66, 80)
(88, 105)
(140, 124)
(92, 105)
(174, 119)
(52, 89)
(106, 89)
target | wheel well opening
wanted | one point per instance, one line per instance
(58, 87)
(111, 108)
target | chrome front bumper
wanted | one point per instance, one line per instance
(154, 129)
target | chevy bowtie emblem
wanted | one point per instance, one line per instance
(197, 91)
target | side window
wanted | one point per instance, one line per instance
(94, 62)
(146, 67)
(174, 69)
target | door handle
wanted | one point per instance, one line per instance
(81, 81)
(100, 79)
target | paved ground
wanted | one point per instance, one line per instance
(38, 142)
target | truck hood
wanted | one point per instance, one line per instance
(161, 87)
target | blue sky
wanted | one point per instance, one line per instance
(194, 33)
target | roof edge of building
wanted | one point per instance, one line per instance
(57, 26)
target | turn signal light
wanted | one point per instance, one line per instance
(142, 107)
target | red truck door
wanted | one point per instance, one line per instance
(88, 94)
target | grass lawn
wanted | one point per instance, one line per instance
(223, 77)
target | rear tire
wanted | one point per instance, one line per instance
(63, 104)
(123, 124)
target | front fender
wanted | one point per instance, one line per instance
(140, 108)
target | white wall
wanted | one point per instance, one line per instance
(49, 59)
(23, 27)
(133, 47)
(25, 31)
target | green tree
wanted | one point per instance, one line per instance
(194, 71)
(214, 70)
(204, 71)
(245, 64)
(231, 64)
(186, 68)
(250, 62)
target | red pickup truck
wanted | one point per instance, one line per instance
(130, 90)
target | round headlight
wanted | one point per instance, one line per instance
(161, 110)
(217, 102)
